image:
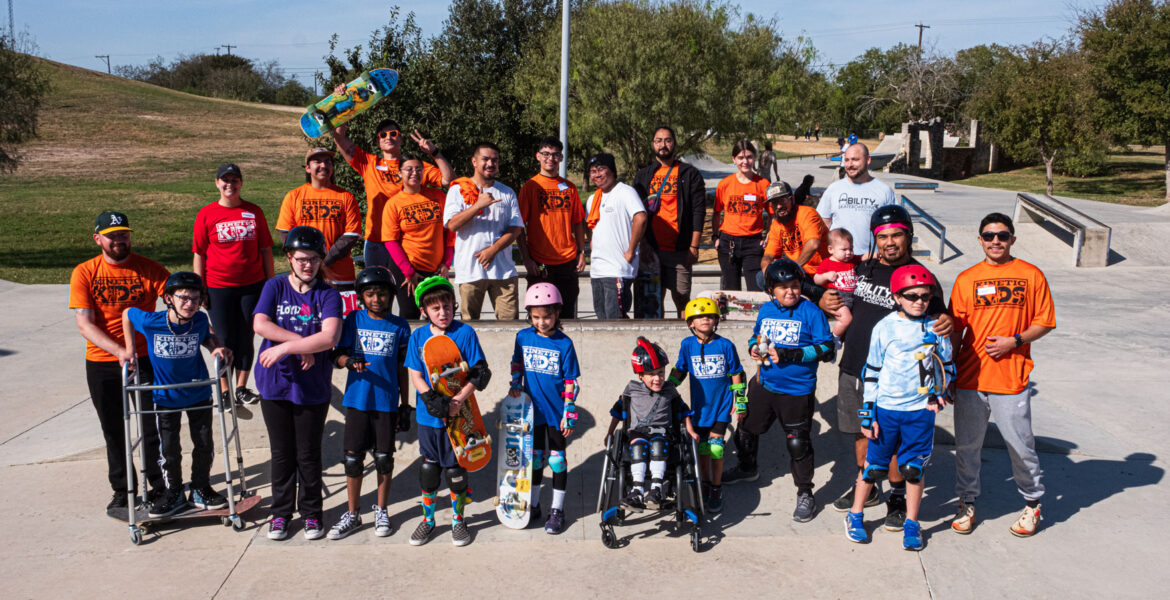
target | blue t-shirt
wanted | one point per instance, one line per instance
(174, 354)
(796, 327)
(467, 342)
(301, 314)
(547, 363)
(382, 344)
(710, 367)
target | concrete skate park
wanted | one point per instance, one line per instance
(1098, 417)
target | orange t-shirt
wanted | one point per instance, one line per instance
(382, 182)
(108, 290)
(664, 224)
(787, 239)
(1000, 300)
(332, 210)
(550, 208)
(416, 220)
(742, 204)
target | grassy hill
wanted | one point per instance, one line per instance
(108, 143)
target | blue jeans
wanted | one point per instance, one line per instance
(611, 297)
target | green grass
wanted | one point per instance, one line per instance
(1135, 177)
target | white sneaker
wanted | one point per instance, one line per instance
(347, 524)
(1028, 522)
(382, 525)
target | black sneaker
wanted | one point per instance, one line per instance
(422, 533)
(460, 536)
(246, 396)
(556, 521)
(174, 501)
(895, 512)
(845, 502)
(207, 498)
(806, 506)
(118, 502)
(740, 474)
(633, 501)
(654, 499)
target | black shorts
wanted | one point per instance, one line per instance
(649, 434)
(719, 429)
(435, 446)
(546, 438)
(850, 395)
(369, 430)
(795, 413)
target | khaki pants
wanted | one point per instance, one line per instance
(502, 293)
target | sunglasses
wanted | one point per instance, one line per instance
(991, 235)
(389, 133)
(918, 297)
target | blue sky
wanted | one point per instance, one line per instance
(296, 32)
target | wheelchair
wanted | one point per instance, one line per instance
(681, 489)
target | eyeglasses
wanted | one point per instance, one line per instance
(991, 235)
(411, 169)
(187, 299)
(547, 154)
(918, 297)
(304, 262)
(389, 133)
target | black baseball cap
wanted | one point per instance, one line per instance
(603, 159)
(228, 169)
(111, 221)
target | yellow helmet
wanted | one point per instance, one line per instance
(700, 307)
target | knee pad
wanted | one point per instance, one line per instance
(429, 475)
(557, 462)
(875, 473)
(716, 447)
(354, 464)
(704, 448)
(456, 479)
(912, 471)
(799, 446)
(658, 448)
(537, 460)
(384, 463)
(639, 451)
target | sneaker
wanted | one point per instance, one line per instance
(460, 536)
(246, 396)
(277, 528)
(714, 502)
(118, 502)
(313, 529)
(633, 501)
(207, 498)
(556, 521)
(855, 528)
(654, 499)
(845, 502)
(382, 525)
(1028, 522)
(347, 524)
(964, 521)
(806, 505)
(895, 512)
(173, 502)
(740, 474)
(422, 533)
(911, 535)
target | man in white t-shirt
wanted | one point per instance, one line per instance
(850, 202)
(485, 216)
(617, 221)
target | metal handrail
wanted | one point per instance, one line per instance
(939, 228)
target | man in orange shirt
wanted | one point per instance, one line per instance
(1000, 307)
(797, 232)
(99, 290)
(330, 209)
(553, 242)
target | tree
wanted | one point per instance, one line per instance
(858, 85)
(919, 87)
(1127, 45)
(221, 76)
(22, 87)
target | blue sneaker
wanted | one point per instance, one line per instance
(855, 527)
(911, 535)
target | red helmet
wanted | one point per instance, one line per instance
(647, 356)
(908, 276)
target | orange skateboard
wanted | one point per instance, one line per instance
(448, 373)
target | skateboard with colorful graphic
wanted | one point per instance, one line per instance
(736, 305)
(514, 465)
(448, 373)
(337, 109)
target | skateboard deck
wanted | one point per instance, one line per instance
(736, 305)
(514, 465)
(448, 372)
(360, 94)
(143, 519)
(647, 288)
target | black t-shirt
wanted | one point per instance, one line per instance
(872, 301)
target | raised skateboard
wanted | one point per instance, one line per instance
(336, 109)
(144, 521)
(514, 465)
(448, 372)
(736, 305)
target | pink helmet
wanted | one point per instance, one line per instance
(541, 294)
(908, 276)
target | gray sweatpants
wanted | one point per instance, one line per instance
(1013, 416)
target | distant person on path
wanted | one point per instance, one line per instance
(1001, 306)
(100, 289)
(331, 210)
(233, 254)
(553, 243)
(484, 215)
(737, 226)
(797, 232)
(617, 219)
(766, 165)
(415, 239)
(676, 200)
(817, 132)
(850, 202)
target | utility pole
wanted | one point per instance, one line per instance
(920, 27)
(11, 25)
(228, 48)
(565, 84)
(107, 58)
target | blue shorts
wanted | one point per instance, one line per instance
(435, 446)
(908, 434)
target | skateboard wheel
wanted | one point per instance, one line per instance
(522, 505)
(487, 440)
(526, 427)
(226, 521)
(496, 501)
(460, 452)
(919, 356)
(463, 366)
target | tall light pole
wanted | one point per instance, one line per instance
(564, 82)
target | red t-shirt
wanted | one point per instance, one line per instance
(231, 240)
(846, 276)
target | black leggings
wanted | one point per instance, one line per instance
(564, 277)
(795, 414)
(545, 438)
(231, 318)
(294, 436)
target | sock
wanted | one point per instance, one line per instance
(558, 502)
(897, 488)
(638, 474)
(428, 506)
(535, 495)
(658, 469)
(458, 503)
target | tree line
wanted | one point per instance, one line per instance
(222, 76)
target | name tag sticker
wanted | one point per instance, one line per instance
(749, 198)
(382, 168)
(987, 290)
(248, 215)
(562, 186)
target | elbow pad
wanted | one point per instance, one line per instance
(479, 375)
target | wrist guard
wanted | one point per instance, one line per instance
(570, 417)
(436, 404)
(351, 362)
(517, 372)
(790, 354)
(739, 391)
(867, 412)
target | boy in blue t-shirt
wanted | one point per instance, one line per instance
(790, 337)
(173, 338)
(373, 347)
(435, 297)
(717, 390)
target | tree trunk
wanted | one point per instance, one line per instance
(1166, 150)
(1048, 160)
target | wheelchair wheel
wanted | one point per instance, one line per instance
(695, 537)
(608, 537)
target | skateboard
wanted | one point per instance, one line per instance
(647, 287)
(736, 305)
(360, 94)
(448, 372)
(514, 465)
(143, 521)
(931, 372)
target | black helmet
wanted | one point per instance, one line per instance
(373, 277)
(184, 280)
(890, 214)
(648, 356)
(780, 271)
(303, 237)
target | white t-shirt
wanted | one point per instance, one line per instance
(483, 231)
(850, 205)
(611, 237)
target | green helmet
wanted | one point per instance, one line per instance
(428, 284)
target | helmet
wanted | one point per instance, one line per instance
(700, 307)
(780, 271)
(542, 294)
(303, 237)
(183, 280)
(890, 214)
(648, 356)
(430, 283)
(908, 276)
(373, 277)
